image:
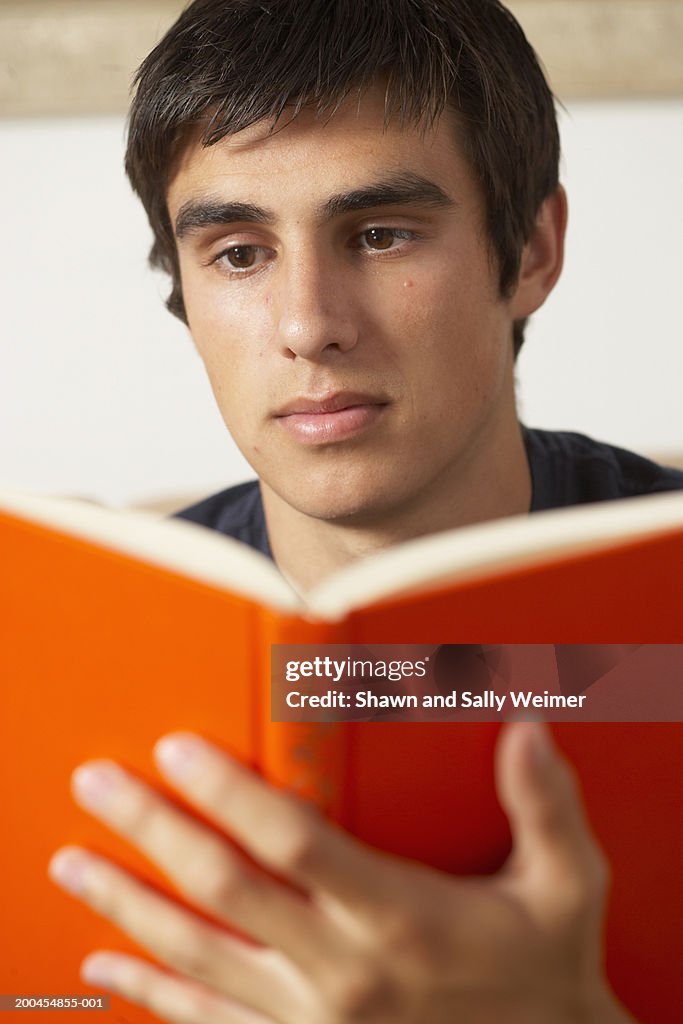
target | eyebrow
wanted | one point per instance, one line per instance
(404, 189)
(203, 213)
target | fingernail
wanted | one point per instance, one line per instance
(99, 969)
(541, 744)
(67, 868)
(95, 783)
(178, 754)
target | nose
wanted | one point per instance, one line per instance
(316, 311)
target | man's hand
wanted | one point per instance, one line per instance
(342, 932)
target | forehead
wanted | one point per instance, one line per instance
(303, 159)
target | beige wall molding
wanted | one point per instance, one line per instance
(77, 56)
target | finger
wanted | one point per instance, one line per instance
(282, 832)
(260, 978)
(205, 867)
(554, 850)
(167, 997)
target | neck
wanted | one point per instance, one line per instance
(491, 481)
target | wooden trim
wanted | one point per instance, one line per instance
(77, 56)
(65, 57)
(598, 49)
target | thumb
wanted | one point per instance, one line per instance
(555, 855)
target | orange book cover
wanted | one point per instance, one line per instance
(116, 629)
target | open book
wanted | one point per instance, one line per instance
(116, 628)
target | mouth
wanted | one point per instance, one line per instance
(336, 417)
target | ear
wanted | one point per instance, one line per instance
(542, 257)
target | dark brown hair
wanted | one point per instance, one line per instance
(226, 64)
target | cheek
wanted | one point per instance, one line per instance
(450, 329)
(432, 314)
(230, 337)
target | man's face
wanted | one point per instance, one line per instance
(340, 289)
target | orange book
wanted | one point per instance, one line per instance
(117, 628)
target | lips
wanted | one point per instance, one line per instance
(329, 403)
(332, 418)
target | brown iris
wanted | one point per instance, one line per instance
(379, 238)
(241, 256)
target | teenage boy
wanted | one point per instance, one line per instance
(358, 205)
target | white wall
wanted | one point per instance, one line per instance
(101, 393)
(605, 354)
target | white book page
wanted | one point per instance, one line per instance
(465, 554)
(173, 544)
(474, 552)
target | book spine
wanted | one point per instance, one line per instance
(307, 758)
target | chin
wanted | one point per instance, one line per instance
(349, 507)
(352, 492)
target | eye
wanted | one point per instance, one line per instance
(241, 257)
(381, 239)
